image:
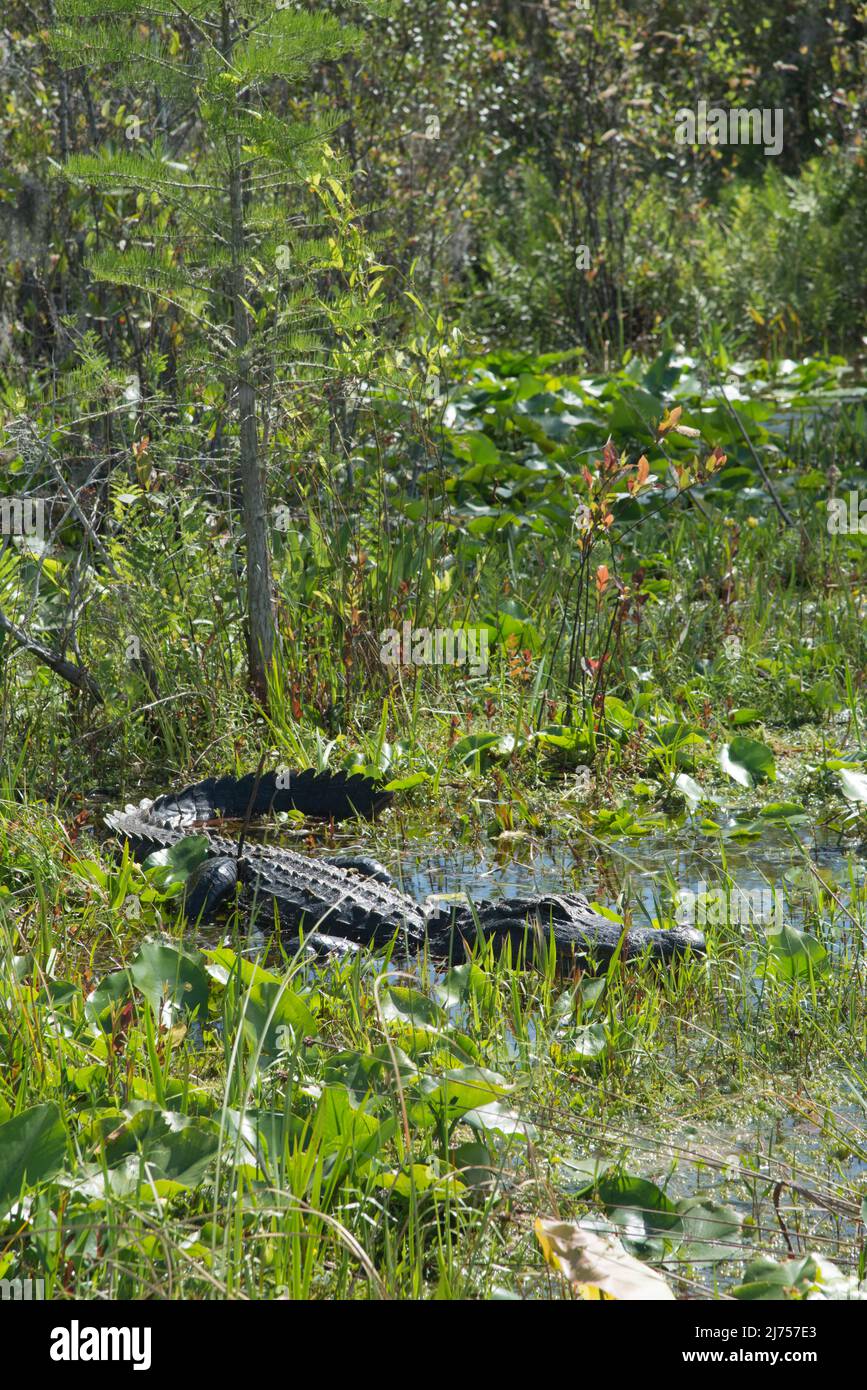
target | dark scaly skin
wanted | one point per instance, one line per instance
(581, 936)
(350, 899)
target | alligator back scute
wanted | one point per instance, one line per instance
(324, 897)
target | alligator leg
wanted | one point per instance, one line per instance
(209, 886)
(362, 864)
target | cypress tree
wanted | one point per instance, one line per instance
(240, 255)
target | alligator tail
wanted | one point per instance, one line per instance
(320, 795)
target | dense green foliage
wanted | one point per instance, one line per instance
(523, 379)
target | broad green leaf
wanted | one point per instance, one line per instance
(616, 712)
(173, 981)
(675, 735)
(709, 1230)
(740, 717)
(177, 862)
(422, 1178)
(462, 982)
(32, 1150)
(585, 1043)
(783, 810)
(766, 1280)
(224, 965)
(748, 762)
(174, 1146)
(641, 1210)
(498, 1118)
(104, 1002)
(411, 1006)
(365, 1072)
(402, 784)
(480, 749)
(460, 1089)
(794, 954)
(476, 1165)
(274, 1017)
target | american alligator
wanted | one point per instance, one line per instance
(341, 903)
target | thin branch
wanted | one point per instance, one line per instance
(756, 459)
(67, 670)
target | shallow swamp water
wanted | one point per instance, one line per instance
(787, 1148)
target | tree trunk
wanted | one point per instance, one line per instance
(261, 617)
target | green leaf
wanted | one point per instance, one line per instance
(224, 965)
(748, 762)
(619, 714)
(709, 1230)
(476, 749)
(476, 1165)
(32, 1150)
(365, 1072)
(794, 954)
(105, 1001)
(745, 716)
(676, 735)
(498, 1118)
(421, 1177)
(586, 1042)
(641, 1210)
(569, 739)
(766, 1279)
(176, 1147)
(402, 784)
(339, 1118)
(273, 1016)
(413, 1007)
(173, 981)
(90, 870)
(477, 447)
(177, 862)
(462, 982)
(459, 1090)
(783, 810)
